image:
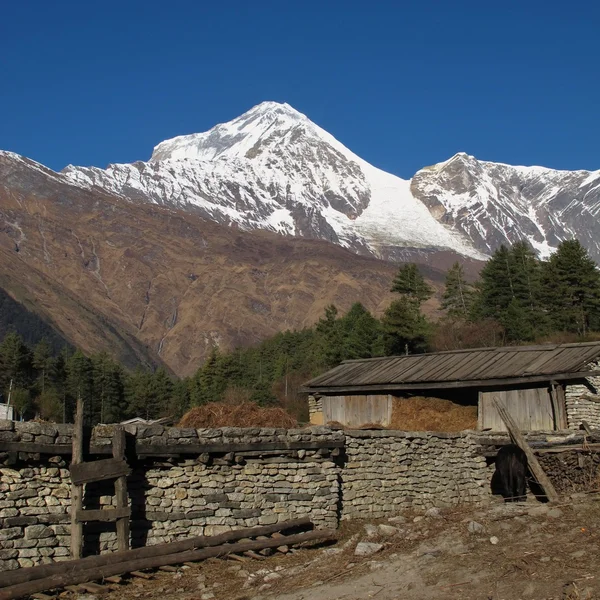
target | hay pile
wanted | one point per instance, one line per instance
(243, 414)
(420, 413)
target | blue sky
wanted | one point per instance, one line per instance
(403, 84)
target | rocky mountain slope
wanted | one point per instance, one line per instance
(495, 204)
(155, 284)
(274, 169)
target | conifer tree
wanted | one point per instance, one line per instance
(15, 362)
(458, 294)
(108, 389)
(405, 329)
(571, 283)
(79, 383)
(410, 283)
(43, 362)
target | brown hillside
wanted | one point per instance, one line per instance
(152, 284)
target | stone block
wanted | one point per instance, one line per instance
(10, 533)
(36, 532)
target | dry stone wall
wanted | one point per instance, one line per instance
(583, 402)
(390, 471)
(270, 475)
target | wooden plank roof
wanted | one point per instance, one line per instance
(457, 368)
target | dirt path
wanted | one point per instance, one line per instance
(506, 552)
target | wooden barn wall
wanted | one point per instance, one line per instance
(531, 408)
(355, 411)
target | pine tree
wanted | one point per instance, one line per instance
(571, 283)
(79, 383)
(108, 389)
(458, 294)
(137, 394)
(330, 338)
(15, 362)
(405, 329)
(161, 390)
(43, 362)
(410, 283)
(360, 333)
(495, 286)
(509, 291)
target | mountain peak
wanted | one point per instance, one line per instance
(234, 138)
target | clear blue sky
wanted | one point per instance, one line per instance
(403, 84)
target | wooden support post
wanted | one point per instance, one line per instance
(77, 489)
(558, 405)
(518, 438)
(118, 448)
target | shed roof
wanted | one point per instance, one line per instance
(460, 368)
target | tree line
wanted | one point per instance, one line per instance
(517, 298)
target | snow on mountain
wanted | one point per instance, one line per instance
(272, 168)
(494, 203)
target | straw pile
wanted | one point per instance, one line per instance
(243, 414)
(420, 413)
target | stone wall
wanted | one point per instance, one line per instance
(176, 491)
(580, 408)
(390, 471)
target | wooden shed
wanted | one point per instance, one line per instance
(529, 380)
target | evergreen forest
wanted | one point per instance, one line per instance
(518, 299)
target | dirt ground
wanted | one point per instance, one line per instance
(503, 552)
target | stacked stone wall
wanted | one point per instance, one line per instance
(175, 493)
(580, 408)
(388, 472)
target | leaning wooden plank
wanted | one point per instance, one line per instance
(532, 461)
(73, 577)
(77, 489)
(99, 470)
(107, 515)
(41, 571)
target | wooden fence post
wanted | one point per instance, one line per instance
(118, 449)
(77, 489)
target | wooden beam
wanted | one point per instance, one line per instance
(77, 489)
(202, 541)
(150, 450)
(98, 470)
(532, 461)
(118, 446)
(74, 576)
(107, 515)
(160, 450)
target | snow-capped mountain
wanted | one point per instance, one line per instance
(272, 168)
(493, 203)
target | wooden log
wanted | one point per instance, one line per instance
(118, 445)
(23, 575)
(70, 577)
(532, 461)
(77, 489)
(106, 516)
(98, 470)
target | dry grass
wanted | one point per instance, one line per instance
(243, 414)
(431, 414)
